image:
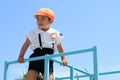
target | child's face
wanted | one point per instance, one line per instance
(43, 22)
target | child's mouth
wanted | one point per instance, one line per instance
(41, 24)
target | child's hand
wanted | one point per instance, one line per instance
(21, 60)
(64, 62)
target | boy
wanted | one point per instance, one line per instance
(42, 40)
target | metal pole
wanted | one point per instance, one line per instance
(72, 73)
(46, 67)
(5, 70)
(57, 78)
(95, 62)
(91, 77)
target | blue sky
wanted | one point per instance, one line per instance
(85, 23)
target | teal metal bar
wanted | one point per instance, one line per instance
(54, 55)
(88, 74)
(63, 78)
(95, 63)
(95, 75)
(57, 78)
(51, 56)
(81, 76)
(91, 78)
(72, 53)
(69, 66)
(46, 68)
(107, 73)
(28, 59)
(72, 73)
(5, 70)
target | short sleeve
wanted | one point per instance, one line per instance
(30, 35)
(59, 38)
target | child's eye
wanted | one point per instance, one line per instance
(41, 18)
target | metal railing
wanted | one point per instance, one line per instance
(47, 58)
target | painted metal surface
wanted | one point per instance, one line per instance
(47, 58)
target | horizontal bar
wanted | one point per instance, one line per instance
(82, 72)
(107, 73)
(71, 53)
(62, 78)
(104, 73)
(28, 59)
(53, 55)
(71, 67)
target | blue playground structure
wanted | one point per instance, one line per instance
(47, 58)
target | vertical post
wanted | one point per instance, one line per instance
(72, 73)
(56, 78)
(91, 77)
(5, 70)
(46, 68)
(95, 62)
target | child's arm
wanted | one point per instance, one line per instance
(23, 50)
(60, 49)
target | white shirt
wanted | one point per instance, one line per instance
(47, 38)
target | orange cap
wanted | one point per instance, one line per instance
(46, 12)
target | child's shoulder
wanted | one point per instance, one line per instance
(53, 30)
(35, 30)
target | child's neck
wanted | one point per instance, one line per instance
(45, 29)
